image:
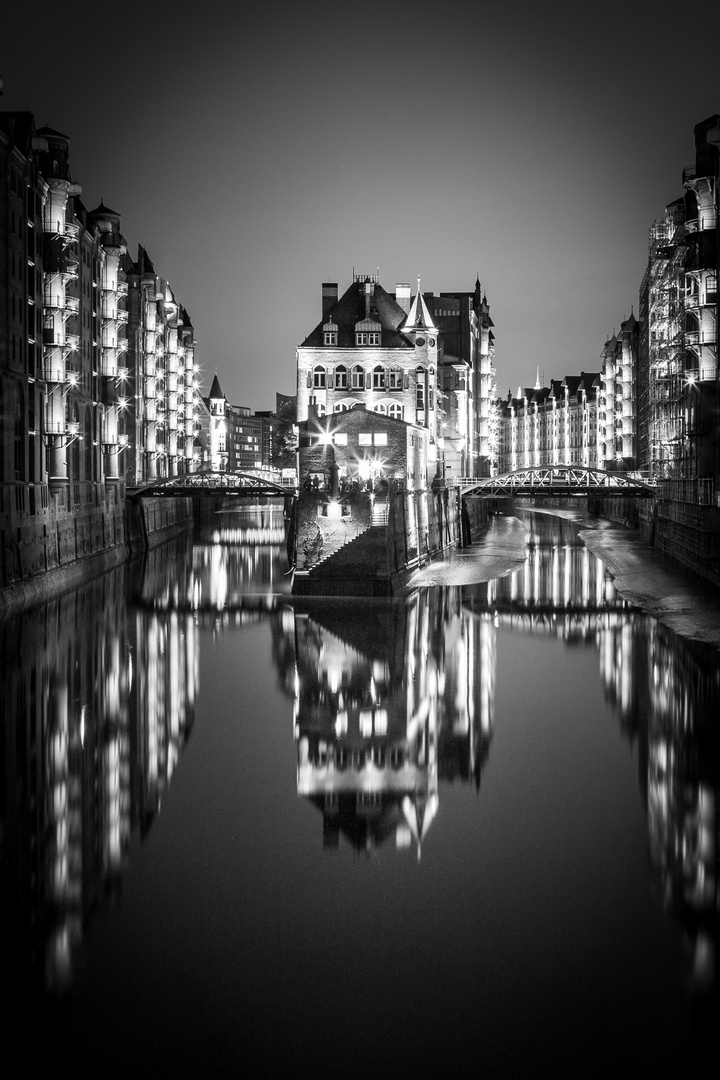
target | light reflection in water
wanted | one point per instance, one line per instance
(391, 701)
(98, 704)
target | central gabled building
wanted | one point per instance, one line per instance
(374, 350)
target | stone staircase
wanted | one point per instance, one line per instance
(358, 568)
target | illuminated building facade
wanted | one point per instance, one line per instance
(679, 310)
(469, 420)
(375, 350)
(163, 373)
(551, 425)
(97, 375)
(233, 438)
(618, 409)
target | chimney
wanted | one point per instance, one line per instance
(402, 296)
(329, 296)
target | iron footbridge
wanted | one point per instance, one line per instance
(208, 484)
(555, 480)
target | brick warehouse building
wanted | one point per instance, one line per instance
(362, 448)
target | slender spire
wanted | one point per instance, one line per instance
(419, 317)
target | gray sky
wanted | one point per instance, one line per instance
(256, 155)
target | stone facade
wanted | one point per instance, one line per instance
(376, 350)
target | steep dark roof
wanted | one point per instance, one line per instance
(104, 211)
(215, 391)
(45, 131)
(350, 309)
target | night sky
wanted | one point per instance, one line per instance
(259, 151)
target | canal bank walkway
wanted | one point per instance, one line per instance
(687, 605)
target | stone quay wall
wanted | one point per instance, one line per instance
(420, 525)
(84, 530)
(681, 523)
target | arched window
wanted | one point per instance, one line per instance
(340, 406)
(379, 378)
(319, 377)
(380, 408)
(396, 411)
(395, 379)
(341, 377)
(358, 378)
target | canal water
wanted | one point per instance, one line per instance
(471, 829)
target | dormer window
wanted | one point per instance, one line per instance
(330, 333)
(368, 332)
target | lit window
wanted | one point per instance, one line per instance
(340, 438)
(365, 438)
(380, 438)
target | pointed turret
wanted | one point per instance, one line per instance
(216, 393)
(419, 317)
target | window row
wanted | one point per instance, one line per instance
(365, 438)
(397, 412)
(357, 378)
(362, 337)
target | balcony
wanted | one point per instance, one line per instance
(54, 370)
(693, 338)
(701, 224)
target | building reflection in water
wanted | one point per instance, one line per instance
(390, 699)
(98, 701)
(97, 698)
(234, 571)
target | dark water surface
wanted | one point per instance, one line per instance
(472, 830)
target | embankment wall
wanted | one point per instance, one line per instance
(75, 535)
(676, 523)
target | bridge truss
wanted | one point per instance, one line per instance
(207, 484)
(554, 480)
